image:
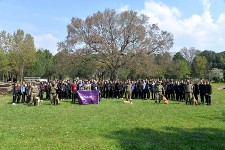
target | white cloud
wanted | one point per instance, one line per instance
(199, 30)
(206, 4)
(46, 41)
(123, 8)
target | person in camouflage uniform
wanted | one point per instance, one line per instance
(189, 93)
(53, 88)
(159, 91)
(34, 94)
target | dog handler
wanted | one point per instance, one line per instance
(34, 94)
(159, 90)
(189, 92)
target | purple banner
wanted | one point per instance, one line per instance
(88, 96)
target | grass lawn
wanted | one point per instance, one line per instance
(114, 125)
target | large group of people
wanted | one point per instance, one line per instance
(55, 91)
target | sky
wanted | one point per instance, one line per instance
(194, 23)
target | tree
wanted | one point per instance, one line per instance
(22, 54)
(211, 58)
(216, 75)
(183, 70)
(163, 64)
(180, 68)
(199, 66)
(5, 45)
(4, 63)
(43, 66)
(178, 56)
(189, 54)
(117, 37)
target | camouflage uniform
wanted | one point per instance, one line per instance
(128, 91)
(159, 91)
(188, 93)
(53, 94)
(34, 94)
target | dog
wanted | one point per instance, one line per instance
(195, 102)
(128, 101)
(165, 101)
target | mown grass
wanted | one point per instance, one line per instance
(114, 125)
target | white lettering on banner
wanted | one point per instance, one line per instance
(86, 96)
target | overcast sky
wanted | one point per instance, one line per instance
(194, 23)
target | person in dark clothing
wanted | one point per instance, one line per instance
(18, 93)
(120, 86)
(208, 92)
(59, 90)
(196, 90)
(182, 90)
(14, 92)
(117, 89)
(177, 90)
(74, 89)
(47, 91)
(202, 91)
(68, 89)
(106, 89)
(28, 92)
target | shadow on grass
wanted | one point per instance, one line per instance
(170, 138)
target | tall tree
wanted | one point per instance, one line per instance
(178, 56)
(211, 58)
(180, 67)
(163, 62)
(22, 54)
(199, 66)
(189, 54)
(5, 45)
(183, 70)
(118, 37)
(43, 65)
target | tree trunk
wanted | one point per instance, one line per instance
(114, 74)
(22, 69)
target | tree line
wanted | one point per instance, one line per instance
(107, 45)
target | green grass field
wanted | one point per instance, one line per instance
(114, 125)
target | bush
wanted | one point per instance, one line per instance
(216, 75)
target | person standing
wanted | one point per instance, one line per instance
(73, 89)
(153, 86)
(41, 90)
(23, 92)
(59, 90)
(14, 92)
(177, 90)
(143, 89)
(196, 90)
(28, 93)
(159, 91)
(68, 88)
(34, 94)
(208, 92)
(182, 90)
(18, 93)
(53, 93)
(129, 91)
(47, 91)
(87, 85)
(202, 90)
(188, 92)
